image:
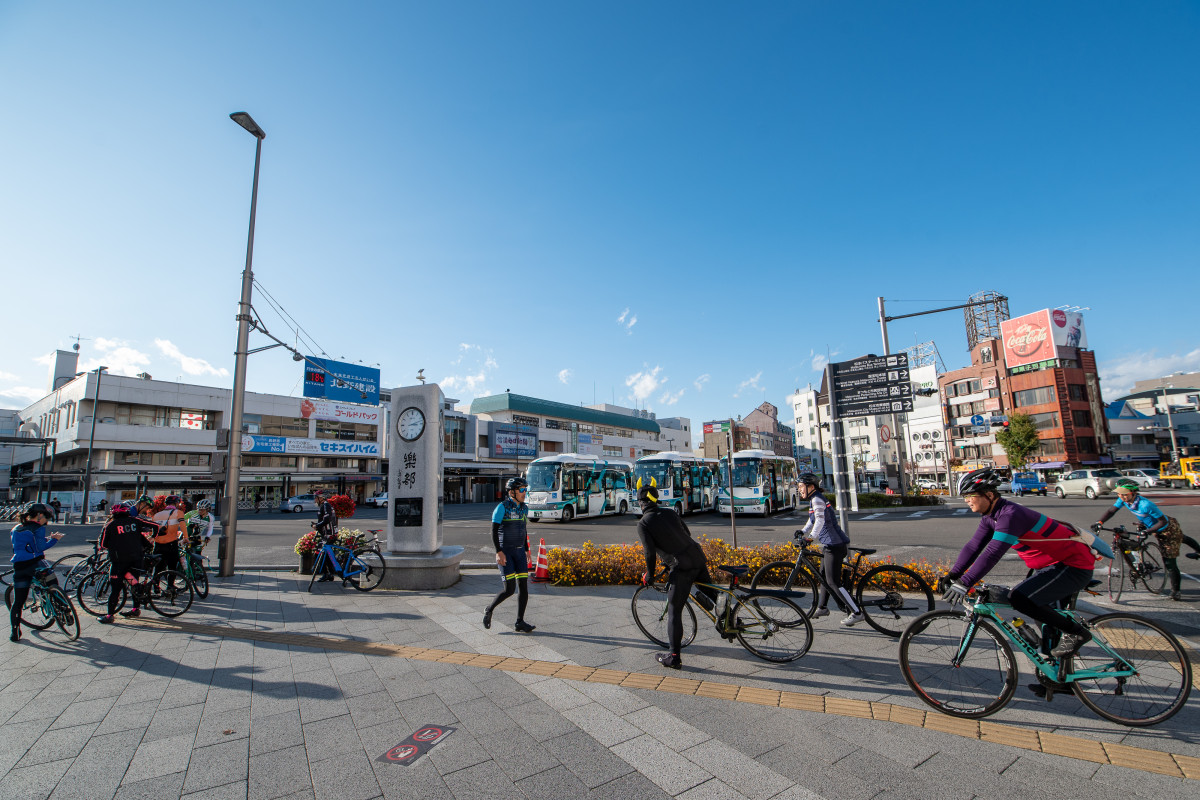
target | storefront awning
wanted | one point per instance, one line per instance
(1048, 465)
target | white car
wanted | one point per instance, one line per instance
(377, 501)
(1144, 477)
(1091, 483)
(1005, 486)
(301, 502)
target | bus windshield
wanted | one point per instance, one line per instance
(745, 473)
(660, 471)
(543, 477)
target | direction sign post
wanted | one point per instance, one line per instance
(838, 445)
(872, 385)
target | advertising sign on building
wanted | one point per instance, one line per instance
(590, 444)
(307, 447)
(1036, 337)
(340, 412)
(512, 441)
(1067, 328)
(327, 379)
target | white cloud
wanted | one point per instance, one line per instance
(819, 360)
(190, 365)
(699, 382)
(1118, 375)
(564, 375)
(490, 363)
(46, 360)
(630, 324)
(474, 381)
(7, 376)
(110, 344)
(621, 319)
(120, 361)
(632, 320)
(23, 395)
(669, 399)
(749, 383)
(642, 384)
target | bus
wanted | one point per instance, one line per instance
(685, 483)
(763, 483)
(567, 486)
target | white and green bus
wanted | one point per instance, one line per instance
(568, 486)
(763, 483)
(685, 482)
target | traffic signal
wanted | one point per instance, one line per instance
(999, 423)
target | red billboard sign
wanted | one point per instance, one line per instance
(1027, 339)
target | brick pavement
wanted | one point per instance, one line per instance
(139, 710)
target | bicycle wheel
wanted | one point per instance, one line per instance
(64, 613)
(1152, 573)
(981, 684)
(68, 564)
(772, 628)
(775, 576)
(33, 614)
(1116, 575)
(199, 578)
(93, 592)
(1154, 693)
(170, 593)
(891, 597)
(373, 568)
(650, 613)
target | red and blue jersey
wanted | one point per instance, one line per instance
(1039, 540)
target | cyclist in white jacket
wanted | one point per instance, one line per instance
(823, 528)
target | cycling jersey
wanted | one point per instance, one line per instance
(200, 524)
(664, 534)
(1039, 540)
(822, 522)
(168, 520)
(509, 524)
(1146, 512)
(30, 542)
(125, 538)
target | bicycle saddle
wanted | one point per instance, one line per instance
(866, 551)
(741, 570)
(1094, 583)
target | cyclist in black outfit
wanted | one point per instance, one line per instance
(126, 538)
(327, 528)
(509, 536)
(664, 534)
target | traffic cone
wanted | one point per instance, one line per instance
(542, 573)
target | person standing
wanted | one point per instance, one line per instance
(126, 538)
(57, 506)
(665, 535)
(258, 498)
(326, 527)
(29, 544)
(823, 528)
(170, 530)
(509, 537)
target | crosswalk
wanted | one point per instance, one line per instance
(943, 512)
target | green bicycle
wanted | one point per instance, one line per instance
(764, 621)
(47, 605)
(960, 662)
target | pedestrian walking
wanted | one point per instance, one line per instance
(258, 498)
(57, 506)
(509, 535)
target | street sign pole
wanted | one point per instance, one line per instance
(887, 351)
(836, 443)
(732, 515)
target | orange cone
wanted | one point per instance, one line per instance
(542, 573)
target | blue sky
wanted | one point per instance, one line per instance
(494, 192)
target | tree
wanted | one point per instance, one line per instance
(1019, 440)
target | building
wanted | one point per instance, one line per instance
(927, 451)
(1132, 444)
(810, 437)
(1149, 407)
(971, 398)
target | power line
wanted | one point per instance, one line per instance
(275, 304)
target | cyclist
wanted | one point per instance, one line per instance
(823, 528)
(166, 540)
(126, 537)
(200, 524)
(327, 528)
(1062, 564)
(143, 507)
(663, 533)
(29, 544)
(1165, 529)
(509, 536)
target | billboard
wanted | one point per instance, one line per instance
(1067, 328)
(253, 443)
(340, 412)
(512, 441)
(1038, 336)
(327, 379)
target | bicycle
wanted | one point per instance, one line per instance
(960, 662)
(766, 622)
(364, 571)
(192, 563)
(890, 596)
(1140, 560)
(48, 602)
(79, 570)
(167, 591)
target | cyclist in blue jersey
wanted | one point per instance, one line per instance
(1165, 529)
(509, 537)
(29, 543)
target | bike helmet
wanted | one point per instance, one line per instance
(1127, 483)
(203, 505)
(978, 481)
(37, 508)
(125, 507)
(809, 479)
(146, 499)
(515, 483)
(173, 500)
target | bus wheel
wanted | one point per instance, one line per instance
(621, 509)
(568, 514)
(679, 509)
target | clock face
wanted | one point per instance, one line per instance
(410, 424)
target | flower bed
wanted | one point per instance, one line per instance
(623, 564)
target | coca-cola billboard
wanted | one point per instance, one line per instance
(1027, 339)
(1067, 328)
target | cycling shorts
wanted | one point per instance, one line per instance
(516, 563)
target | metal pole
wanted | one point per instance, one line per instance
(887, 351)
(233, 474)
(1170, 424)
(835, 434)
(732, 516)
(87, 472)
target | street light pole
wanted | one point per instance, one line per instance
(87, 472)
(233, 470)
(1170, 424)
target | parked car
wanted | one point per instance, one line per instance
(1027, 483)
(379, 500)
(1144, 477)
(301, 502)
(1005, 486)
(1091, 483)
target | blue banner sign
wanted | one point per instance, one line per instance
(341, 382)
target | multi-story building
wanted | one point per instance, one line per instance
(810, 437)
(927, 452)
(972, 397)
(1132, 444)
(1149, 407)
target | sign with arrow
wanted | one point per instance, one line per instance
(872, 385)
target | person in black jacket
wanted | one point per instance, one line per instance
(327, 528)
(664, 534)
(126, 537)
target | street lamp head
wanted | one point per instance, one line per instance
(247, 122)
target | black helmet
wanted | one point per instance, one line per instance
(978, 481)
(647, 492)
(809, 479)
(515, 483)
(37, 508)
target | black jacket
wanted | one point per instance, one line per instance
(664, 534)
(124, 538)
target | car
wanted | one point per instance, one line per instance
(1145, 477)
(379, 500)
(1024, 483)
(1091, 483)
(926, 483)
(1005, 486)
(301, 502)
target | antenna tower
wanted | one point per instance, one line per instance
(983, 321)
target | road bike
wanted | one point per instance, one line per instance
(47, 604)
(1141, 560)
(74, 571)
(890, 596)
(166, 591)
(192, 566)
(363, 570)
(765, 622)
(960, 662)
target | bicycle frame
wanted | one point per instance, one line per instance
(808, 562)
(328, 551)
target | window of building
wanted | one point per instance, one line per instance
(455, 435)
(349, 431)
(1082, 418)
(267, 460)
(975, 385)
(1051, 447)
(1077, 391)
(1045, 422)
(950, 390)
(297, 427)
(1033, 397)
(855, 441)
(1086, 444)
(612, 451)
(985, 355)
(993, 392)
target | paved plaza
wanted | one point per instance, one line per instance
(266, 691)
